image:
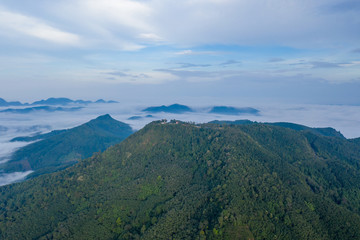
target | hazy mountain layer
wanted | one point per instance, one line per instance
(65, 101)
(183, 181)
(41, 108)
(52, 101)
(3, 102)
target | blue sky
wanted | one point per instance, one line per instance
(300, 51)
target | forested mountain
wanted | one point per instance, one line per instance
(186, 181)
(36, 137)
(61, 148)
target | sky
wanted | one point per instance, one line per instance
(286, 51)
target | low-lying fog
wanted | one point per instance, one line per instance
(345, 119)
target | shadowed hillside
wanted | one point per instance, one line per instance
(62, 148)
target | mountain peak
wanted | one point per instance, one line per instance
(102, 120)
(104, 117)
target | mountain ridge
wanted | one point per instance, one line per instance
(327, 131)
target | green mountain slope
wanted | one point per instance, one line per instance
(36, 137)
(62, 148)
(184, 181)
(329, 132)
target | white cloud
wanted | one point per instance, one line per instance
(248, 22)
(151, 77)
(150, 37)
(114, 23)
(191, 52)
(185, 52)
(108, 24)
(122, 12)
(7, 178)
(350, 64)
(34, 27)
(111, 77)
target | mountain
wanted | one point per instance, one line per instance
(62, 148)
(66, 101)
(140, 117)
(184, 181)
(103, 101)
(329, 132)
(41, 108)
(4, 103)
(174, 108)
(233, 111)
(54, 101)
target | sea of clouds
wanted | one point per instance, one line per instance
(343, 118)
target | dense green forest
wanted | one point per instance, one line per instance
(185, 181)
(328, 131)
(62, 148)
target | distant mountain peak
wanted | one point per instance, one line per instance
(105, 116)
(174, 108)
(228, 110)
(52, 101)
(103, 119)
(65, 101)
(4, 103)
